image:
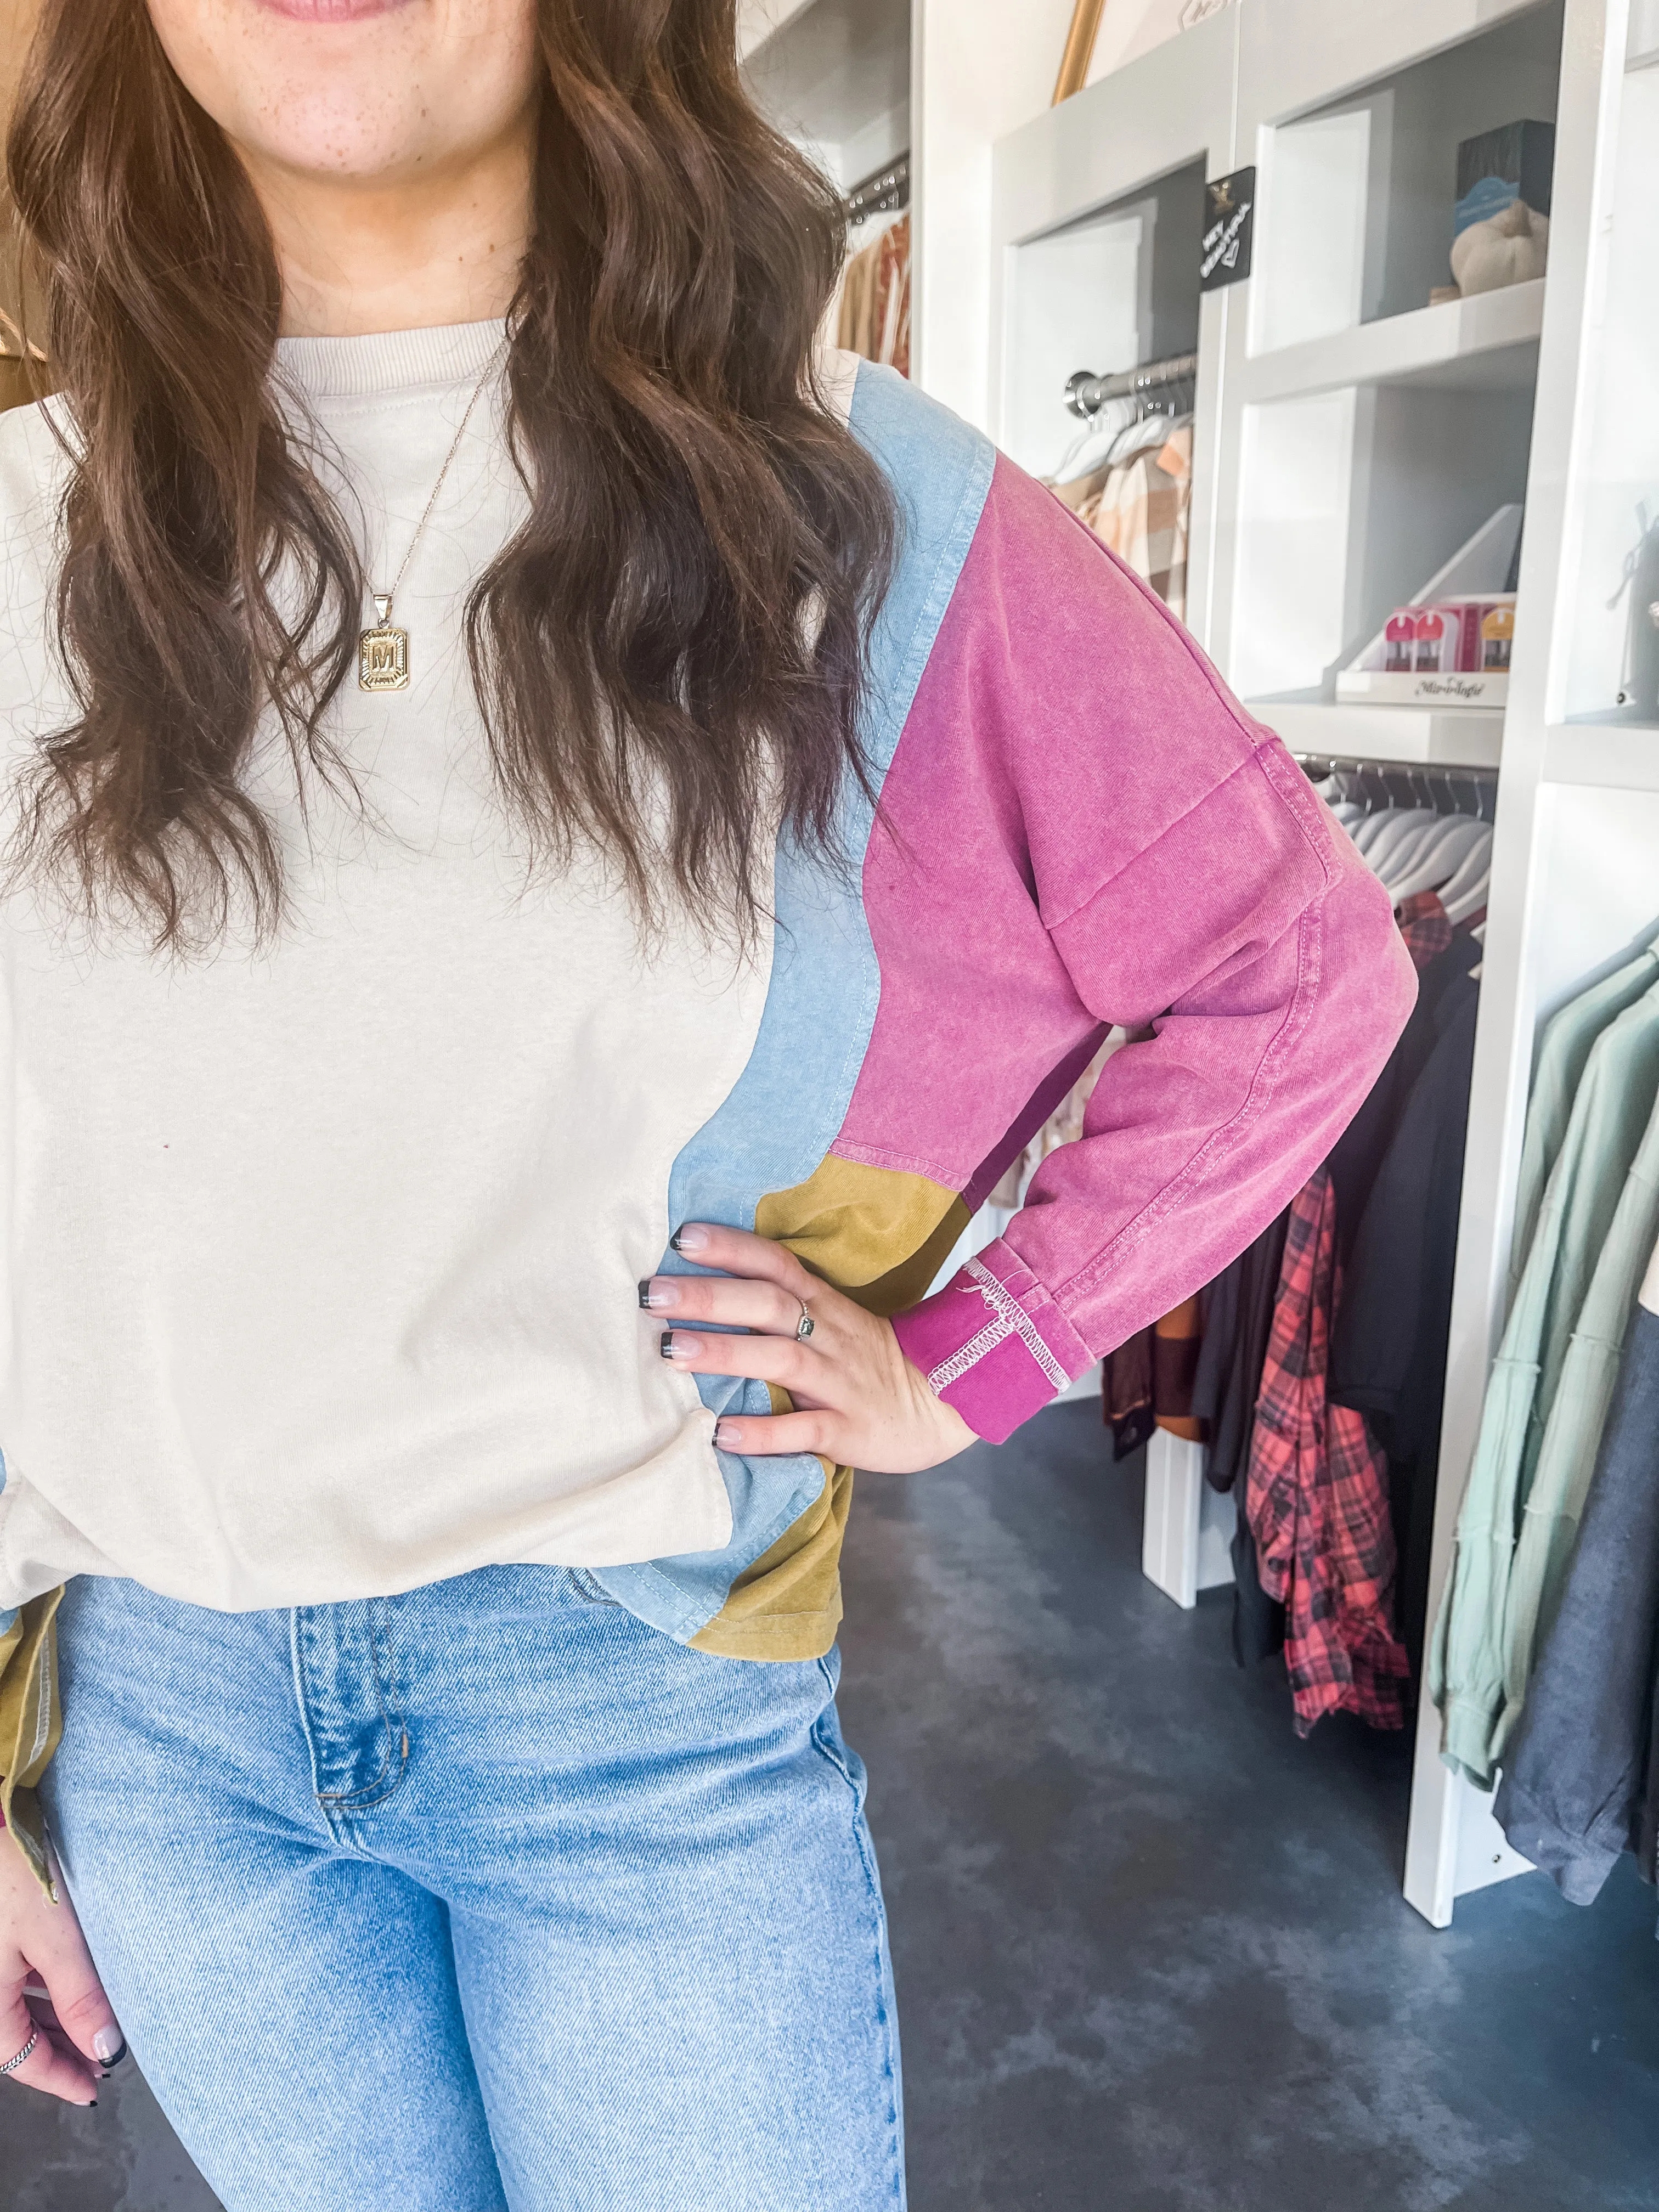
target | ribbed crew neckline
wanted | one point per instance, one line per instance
(384, 361)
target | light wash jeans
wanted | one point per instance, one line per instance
(486, 1896)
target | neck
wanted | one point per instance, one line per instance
(440, 247)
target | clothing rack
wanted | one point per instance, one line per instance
(885, 191)
(1087, 394)
(1188, 1528)
(1411, 783)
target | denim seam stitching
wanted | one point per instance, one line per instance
(873, 1888)
(339, 1801)
(363, 1800)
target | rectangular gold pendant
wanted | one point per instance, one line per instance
(382, 659)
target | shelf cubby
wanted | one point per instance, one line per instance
(1488, 343)
(1611, 755)
(834, 75)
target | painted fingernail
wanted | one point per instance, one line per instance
(657, 1292)
(672, 1350)
(688, 1237)
(726, 1435)
(110, 2045)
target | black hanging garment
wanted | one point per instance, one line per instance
(1388, 1346)
(1237, 1323)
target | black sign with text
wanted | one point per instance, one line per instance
(1229, 228)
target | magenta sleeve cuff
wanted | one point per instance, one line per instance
(993, 1344)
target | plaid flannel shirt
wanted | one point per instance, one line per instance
(1425, 926)
(1317, 1497)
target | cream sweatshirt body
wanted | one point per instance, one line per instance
(321, 1259)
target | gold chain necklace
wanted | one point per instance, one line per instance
(383, 650)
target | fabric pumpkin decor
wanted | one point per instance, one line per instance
(1510, 248)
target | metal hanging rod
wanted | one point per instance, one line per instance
(1087, 394)
(885, 191)
(1350, 764)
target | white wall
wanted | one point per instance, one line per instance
(1132, 27)
(1082, 295)
(972, 83)
(1613, 635)
(758, 18)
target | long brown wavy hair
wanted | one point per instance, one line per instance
(671, 652)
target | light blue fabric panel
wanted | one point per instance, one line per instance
(788, 1105)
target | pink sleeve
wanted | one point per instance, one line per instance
(1247, 932)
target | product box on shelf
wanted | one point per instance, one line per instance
(1501, 167)
(1450, 647)
(1439, 640)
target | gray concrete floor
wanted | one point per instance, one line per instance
(1151, 1952)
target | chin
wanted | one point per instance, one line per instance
(342, 90)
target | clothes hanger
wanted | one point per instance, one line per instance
(1386, 799)
(1381, 817)
(1468, 901)
(1438, 859)
(1081, 459)
(1467, 890)
(1389, 840)
(1334, 789)
(1154, 420)
(1418, 818)
(1444, 849)
(1408, 855)
(1406, 844)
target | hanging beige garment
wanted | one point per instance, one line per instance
(893, 298)
(874, 317)
(1080, 493)
(17, 19)
(1142, 512)
(855, 329)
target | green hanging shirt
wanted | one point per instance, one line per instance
(1469, 1658)
(1568, 1038)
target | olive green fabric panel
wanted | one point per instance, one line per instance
(876, 1233)
(788, 1604)
(880, 1235)
(30, 1723)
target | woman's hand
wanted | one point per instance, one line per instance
(41, 1947)
(858, 1401)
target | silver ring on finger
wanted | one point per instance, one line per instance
(803, 1326)
(26, 2052)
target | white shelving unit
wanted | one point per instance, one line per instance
(1110, 179)
(1576, 868)
(1364, 433)
(1486, 343)
(1460, 737)
(1610, 757)
(1351, 436)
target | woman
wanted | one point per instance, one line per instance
(543, 819)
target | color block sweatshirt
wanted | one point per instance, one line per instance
(320, 1260)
